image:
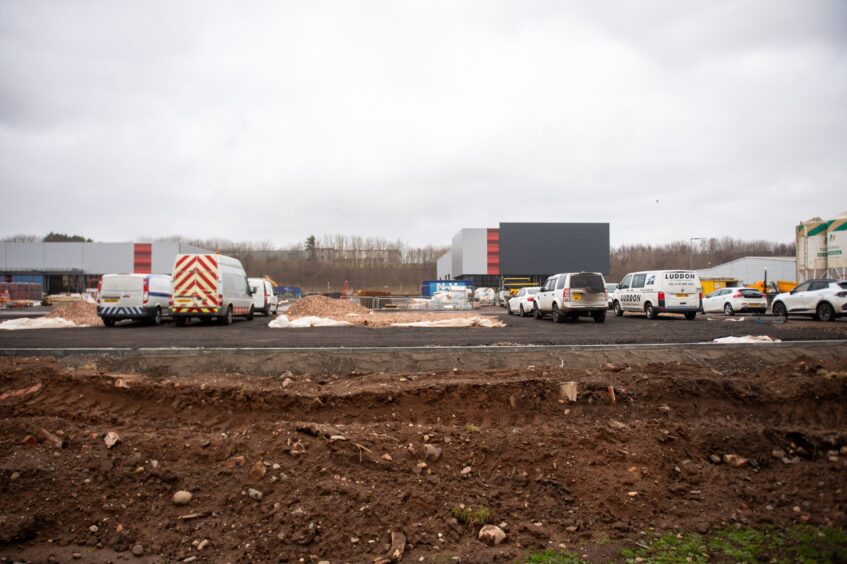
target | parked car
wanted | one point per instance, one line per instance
(210, 287)
(134, 296)
(658, 291)
(522, 303)
(610, 289)
(822, 299)
(572, 295)
(264, 299)
(732, 300)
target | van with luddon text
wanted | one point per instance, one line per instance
(659, 291)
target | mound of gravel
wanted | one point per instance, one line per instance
(81, 313)
(321, 306)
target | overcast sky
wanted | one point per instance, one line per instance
(411, 120)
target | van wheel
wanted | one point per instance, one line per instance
(618, 310)
(599, 316)
(109, 322)
(691, 315)
(180, 321)
(826, 312)
(779, 310)
(557, 315)
(157, 317)
(727, 309)
(228, 317)
(250, 314)
(651, 311)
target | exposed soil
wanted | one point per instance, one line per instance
(321, 306)
(80, 312)
(344, 460)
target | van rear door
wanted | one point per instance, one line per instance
(682, 288)
(588, 289)
(119, 291)
(196, 283)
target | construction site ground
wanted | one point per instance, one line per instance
(304, 456)
(629, 329)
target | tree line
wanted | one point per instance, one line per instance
(323, 263)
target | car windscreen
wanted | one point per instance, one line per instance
(590, 281)
(751, 293)
(122, 284)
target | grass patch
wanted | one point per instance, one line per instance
(552, 557)
(470, 516)
(805, 544)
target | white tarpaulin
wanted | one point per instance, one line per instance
(38, 323)
(282, 322)
(454, 322)
(746, 339)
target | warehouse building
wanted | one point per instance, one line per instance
(536, 250)
(748, 270)
(75, 267)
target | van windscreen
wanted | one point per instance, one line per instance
(122, 284)
(588, 280)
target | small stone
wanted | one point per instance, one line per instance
(455, 370)
(571, 529)
(734, 460)
(287, 382)
(93, 528)
(275, 466)
(182, 497)
(138, 550)
(615, 424)
(664, 408)
(29, 440)
(843, 450)
(492, 535)
(154, 464)
(258, 471)
(111, 439)
(202, 544)
(715, 459)
(832, 458)
(432, 452)
(466, 470)
(778, 453)
(76, 555)
(189, 559)
(387, 457)
(254, 494)
(632, 494)
(15, 476)
(796, 509)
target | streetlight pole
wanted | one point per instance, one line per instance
(691, 251)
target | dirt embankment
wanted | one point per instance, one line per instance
(80, 312)
(329, 466)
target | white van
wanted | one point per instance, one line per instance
(210, 287)
(659, 291)
(134, 296)
(572, 295)
(264, 299)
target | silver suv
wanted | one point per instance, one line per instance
(572, 295)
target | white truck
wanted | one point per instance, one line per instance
(134, 296)
(210, 287)
(659, 291)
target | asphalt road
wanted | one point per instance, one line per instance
(519, 331)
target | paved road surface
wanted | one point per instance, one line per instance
(519, 331)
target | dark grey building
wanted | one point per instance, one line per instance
(536, 250)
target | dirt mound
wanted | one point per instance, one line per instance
(80, 312)
(328, 465)
(321, 306)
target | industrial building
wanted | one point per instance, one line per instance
(536, 250)
(748, 270)
(75, 267)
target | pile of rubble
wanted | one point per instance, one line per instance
(78, 312)
(321, 306)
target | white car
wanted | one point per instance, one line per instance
(572, 295)
(610, 289)
(732, 300)
(264, 299)
(822, 299)
(522, 303)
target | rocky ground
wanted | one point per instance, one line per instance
(101, 466)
